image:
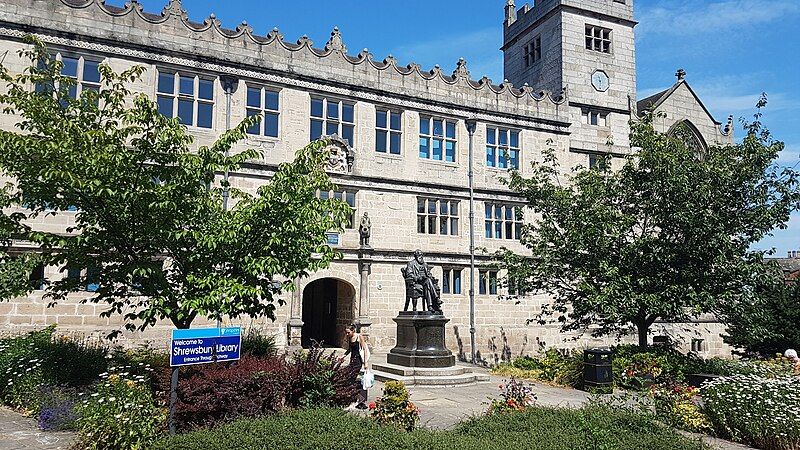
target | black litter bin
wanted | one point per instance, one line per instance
(597, 374)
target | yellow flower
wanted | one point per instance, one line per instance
(130, 383)
(113, 378)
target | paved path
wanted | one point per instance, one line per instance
(18, 432)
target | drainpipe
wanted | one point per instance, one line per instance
(229, 84)
(471, 126)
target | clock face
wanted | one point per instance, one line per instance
(600, 80)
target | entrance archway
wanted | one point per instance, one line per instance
(328, 306)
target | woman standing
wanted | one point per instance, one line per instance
(359, 358)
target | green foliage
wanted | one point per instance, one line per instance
(395, 408)
(151, 227)
(563, 368)
(763, 412)
(256, 343)
(515, 396)
(540, 428)
(678, 406)
(38, 359)
(769, 321)
(120, 415)
(666, 236)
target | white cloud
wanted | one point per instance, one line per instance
(684, 17)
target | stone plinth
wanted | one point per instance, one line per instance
(420, 341)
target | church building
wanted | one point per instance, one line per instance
(404, 137)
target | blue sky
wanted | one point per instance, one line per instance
(732, 50)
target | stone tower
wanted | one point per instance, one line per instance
(585, 47)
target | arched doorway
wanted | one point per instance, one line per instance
(327, 309)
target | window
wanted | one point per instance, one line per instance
(92, 279)
(595, 118)
(697, 345)
(330, 116)
(437, 139)
(346, 196)
(388, 132)
(594, 160)
(514, 287)
(84, 71)
(190, 98)
(487, 282)
(266, 102)
(598, 39)
(503, 221)
(36, 278)
(451, 281)
(502, 148)
(533, 51)
(437, 216)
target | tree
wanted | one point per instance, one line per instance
(151, 233)
(665, 237)
(767, 322)
(14, 269)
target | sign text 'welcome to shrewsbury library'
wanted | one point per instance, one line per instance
(205, 345)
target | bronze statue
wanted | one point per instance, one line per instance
(364, 229)
(421, 284)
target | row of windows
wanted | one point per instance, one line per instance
(191, 99)
(451, 280)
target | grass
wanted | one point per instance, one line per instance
(593, 427)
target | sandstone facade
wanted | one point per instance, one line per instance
(549, 107)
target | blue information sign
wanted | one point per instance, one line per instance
(205, 345)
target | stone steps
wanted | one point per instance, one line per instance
(448, 376)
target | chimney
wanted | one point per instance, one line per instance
(511, 12)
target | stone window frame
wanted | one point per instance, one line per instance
(349, 196)
(502, 221)
(445, 137)
(488, 282)
(344, 129)
(178, 96)
(88, 273)
(595, 118)
(388, 132)
(449, 276)
(698, 345)
(432, 221)
(533, 51)
(80, 72)
(499, 151)
(263, 109)
(37, 278)
(598, 39)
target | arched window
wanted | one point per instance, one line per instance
(685, 131)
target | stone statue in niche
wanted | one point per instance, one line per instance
(364, 230)
(421, 284)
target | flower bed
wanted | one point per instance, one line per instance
(763, 412)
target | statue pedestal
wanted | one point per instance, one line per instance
(420, 341)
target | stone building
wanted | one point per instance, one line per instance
(405, 138)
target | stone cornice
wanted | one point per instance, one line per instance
(173, 38)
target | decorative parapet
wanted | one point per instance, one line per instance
(172, 33)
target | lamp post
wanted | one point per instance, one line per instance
(471, 126)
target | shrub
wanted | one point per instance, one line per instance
(514, 396)
(395, 408)
(256, 343)
(38, 358)
(763, 412)
(539, 428)
(678, 406)
(554, 366)
(213, 394)
(120, 415)
(320, 380)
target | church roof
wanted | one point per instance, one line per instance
(654, 101)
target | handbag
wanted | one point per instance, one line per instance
(367, 380)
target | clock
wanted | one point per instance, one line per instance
(600, 80)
